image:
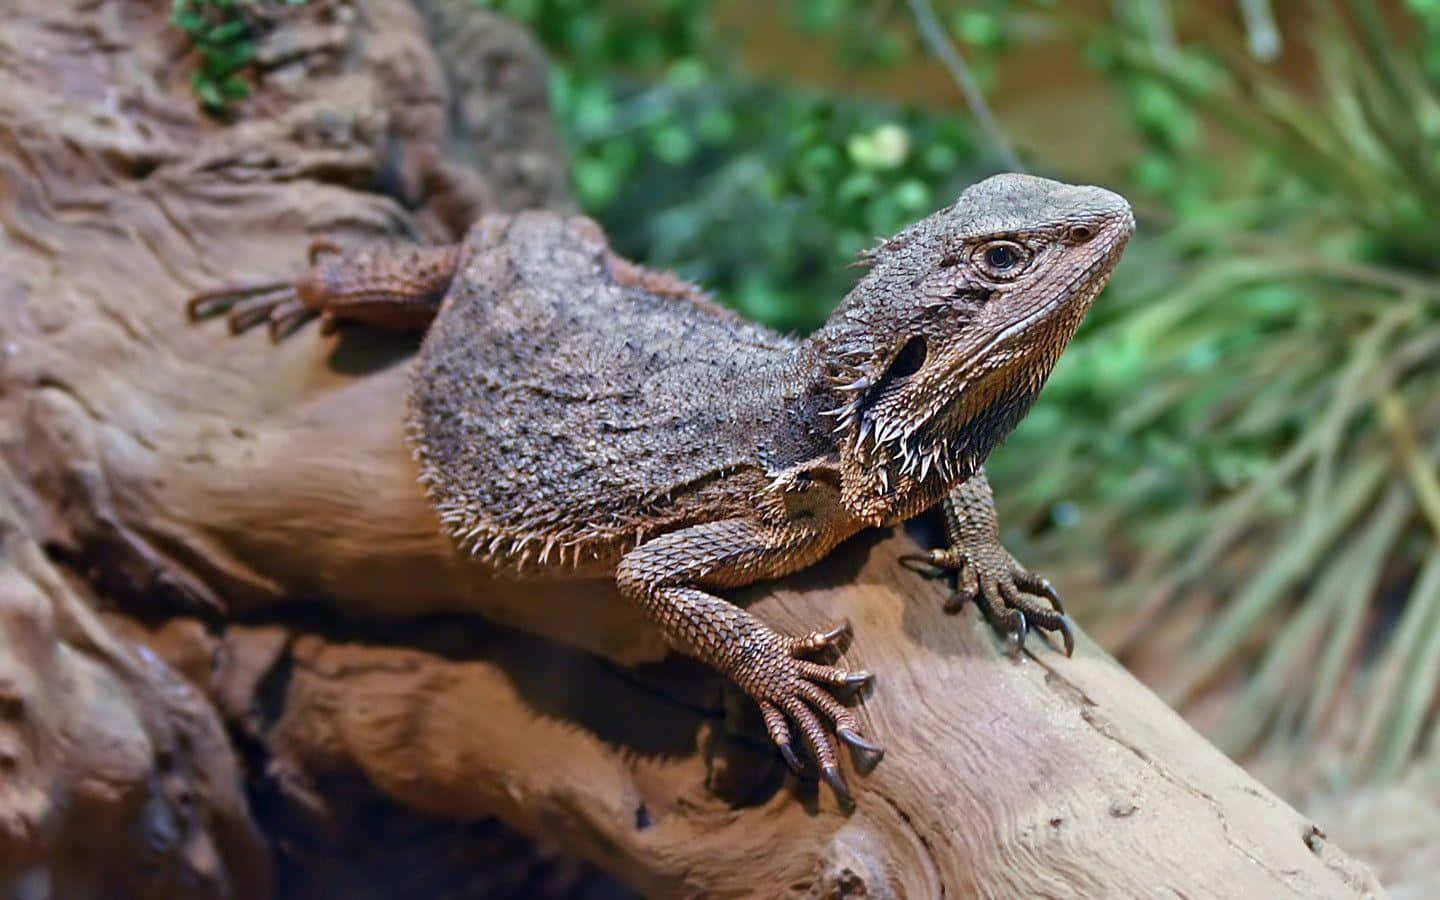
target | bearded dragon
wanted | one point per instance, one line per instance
(574, 414)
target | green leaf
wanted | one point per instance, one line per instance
(979, 28)
(673, 144)
(235, 88)
(191, 23)
(208, 91)
(227, 32)
(228, 59)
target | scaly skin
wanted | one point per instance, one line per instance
(576, 414)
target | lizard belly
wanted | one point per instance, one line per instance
(560, 417)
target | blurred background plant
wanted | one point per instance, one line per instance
(1234, 468)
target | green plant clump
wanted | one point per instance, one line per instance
(223, 35)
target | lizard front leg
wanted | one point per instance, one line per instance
(985, 571)
(668, 578)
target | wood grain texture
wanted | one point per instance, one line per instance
(266, 489)
(1038, 777)
(116, 776)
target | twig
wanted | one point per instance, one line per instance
(940, 45)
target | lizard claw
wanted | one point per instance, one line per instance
(837, 632)
(1048, 590)
(792, 697)
(924, 564)
(832, 776)
(867, 754)
(1018, 632)
(791, 760)
(1067, 632)
(819, 640)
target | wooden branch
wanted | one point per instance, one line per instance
(116, 777)
(182, 467)
(1039, 777)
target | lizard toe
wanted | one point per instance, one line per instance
(779, 730)
(934, 563)
(1005, 618)
(817, 741)
(967, 588)
(1041, 587)
(287, 316)
(815, 641)
(832, 675)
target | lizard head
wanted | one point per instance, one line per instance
(944, 343)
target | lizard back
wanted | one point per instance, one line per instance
(567, 405)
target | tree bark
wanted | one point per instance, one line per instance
(261, 497)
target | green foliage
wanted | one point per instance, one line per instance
(762, 192)
(222, 33)
(773, 225)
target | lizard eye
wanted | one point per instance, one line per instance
(1002, 259)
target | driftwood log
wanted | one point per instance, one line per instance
(248, 513)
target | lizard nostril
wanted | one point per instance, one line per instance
(1081, 233)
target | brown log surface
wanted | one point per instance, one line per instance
(266, 490)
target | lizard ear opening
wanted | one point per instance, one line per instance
(904, 364)
(908, 361)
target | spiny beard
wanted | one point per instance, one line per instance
(889, 447)
(946, 447)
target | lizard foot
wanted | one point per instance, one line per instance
(788, 690)
(1006, 591)
(247, 305)
(276, 302)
